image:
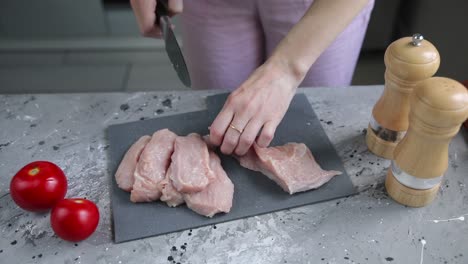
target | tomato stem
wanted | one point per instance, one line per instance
(33, 172)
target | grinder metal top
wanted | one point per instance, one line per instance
(414, 50)
(417, 39)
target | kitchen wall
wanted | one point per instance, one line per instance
(52, 19)
(444, 23)
(62, 19)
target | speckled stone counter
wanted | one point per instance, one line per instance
(68, 129)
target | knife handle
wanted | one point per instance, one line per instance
(162, 9)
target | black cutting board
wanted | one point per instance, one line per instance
(254, 193)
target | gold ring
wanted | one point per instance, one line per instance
(235, 128)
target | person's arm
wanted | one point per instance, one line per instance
(260, 103)
(317, 29)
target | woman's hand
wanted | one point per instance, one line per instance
(255, 108)
(144, 11)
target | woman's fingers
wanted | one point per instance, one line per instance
(233, 134)
(144, 13)
(248, 136)
(220, 125)
(175, 7)
(267, 134)
(230, 141)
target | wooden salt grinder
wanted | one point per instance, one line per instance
(438, 108)
(408, 61)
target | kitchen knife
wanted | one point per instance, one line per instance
(172, 47)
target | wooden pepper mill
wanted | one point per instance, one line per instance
(408, 61)
(438, 108)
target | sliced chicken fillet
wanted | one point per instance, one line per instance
(152, 166)
(217, 196)
(190, 164)
(292, 166)
(170, 195)
(124, 174)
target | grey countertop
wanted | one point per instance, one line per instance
(68, 129)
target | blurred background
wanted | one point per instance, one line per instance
(53, 46)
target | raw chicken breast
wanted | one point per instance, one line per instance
(190, 164)
(170, 195)
(291, 166)
(124, 175)
(152, 166)
(217, 196)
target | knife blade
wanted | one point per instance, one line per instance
(172, 46)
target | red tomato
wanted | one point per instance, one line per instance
(74, 219)
(38, 186)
